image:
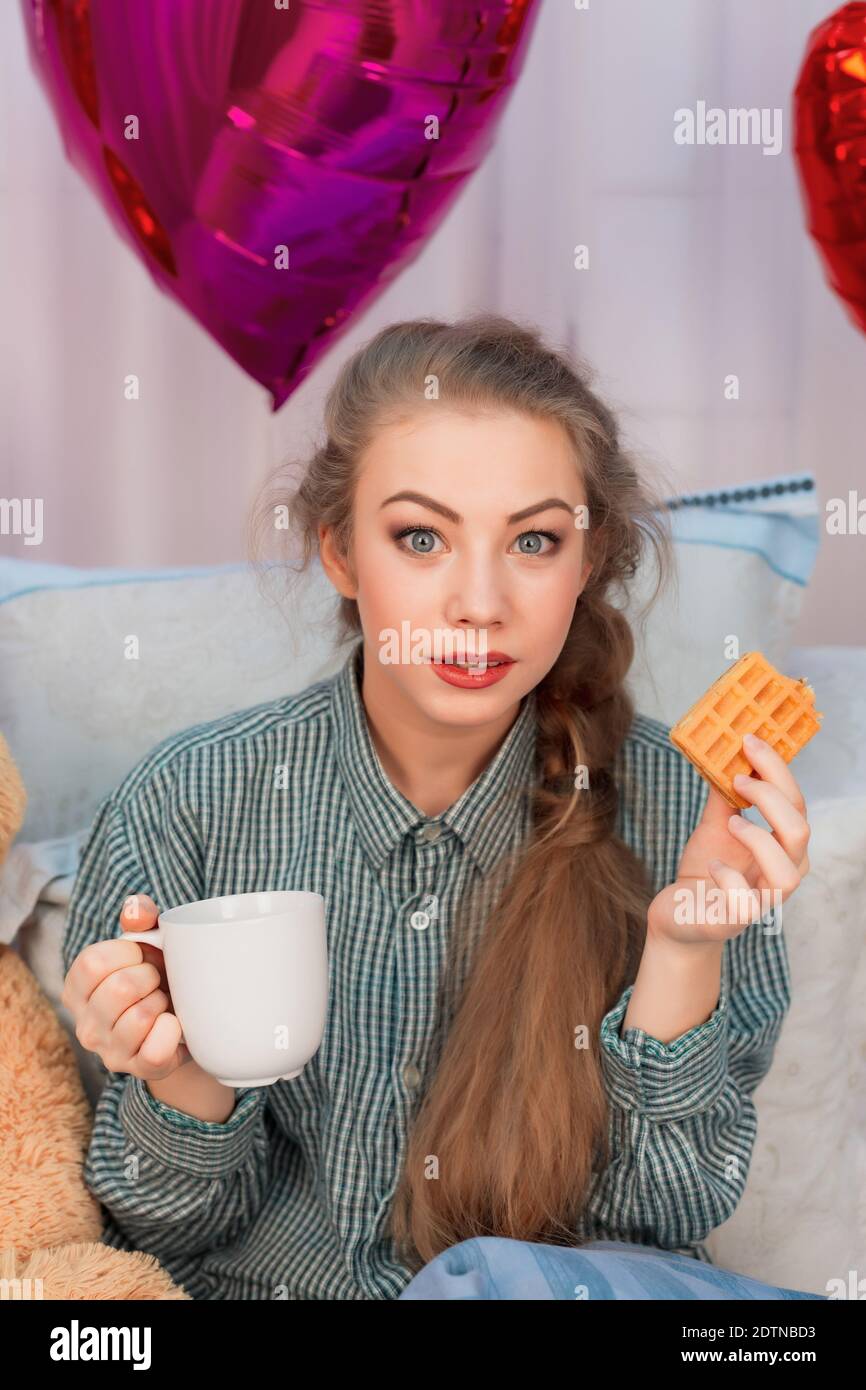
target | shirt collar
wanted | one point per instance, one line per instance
(485, 817)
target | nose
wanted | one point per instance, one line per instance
(477, 596)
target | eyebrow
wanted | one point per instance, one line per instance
(450, 515)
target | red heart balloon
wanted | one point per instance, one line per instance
(275, 163)
(830, 149)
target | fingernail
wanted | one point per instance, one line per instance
(735, 822)
(753, 741)
(741, 780)
(715, 865)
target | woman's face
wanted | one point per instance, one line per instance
(490, 550)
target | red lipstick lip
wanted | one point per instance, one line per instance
(478, 678)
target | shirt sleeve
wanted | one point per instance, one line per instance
(173, 1184)
(683, 1121)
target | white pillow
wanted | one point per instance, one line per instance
(743, 563)
(833, 763)
(802, 1218)
(78, 716)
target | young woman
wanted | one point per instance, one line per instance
(527, 1050)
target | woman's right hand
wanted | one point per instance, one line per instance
(118, 995)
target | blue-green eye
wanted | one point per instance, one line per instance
(549, 535)
(427, 547)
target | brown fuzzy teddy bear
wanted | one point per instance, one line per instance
(49, 1223)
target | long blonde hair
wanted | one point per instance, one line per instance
(516, 1113)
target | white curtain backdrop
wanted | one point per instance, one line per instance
(700, 267)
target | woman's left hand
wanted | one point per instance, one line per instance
(759, 869)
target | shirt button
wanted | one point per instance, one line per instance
(420, 920)
(411, 1076)
(430, 833)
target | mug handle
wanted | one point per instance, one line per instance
(154, 937)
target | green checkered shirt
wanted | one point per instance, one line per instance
(289, 1197)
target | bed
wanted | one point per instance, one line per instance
(77, 717)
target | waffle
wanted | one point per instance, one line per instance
(752, 697)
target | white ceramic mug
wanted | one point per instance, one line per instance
(248, 975)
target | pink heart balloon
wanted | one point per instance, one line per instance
(275, 163)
